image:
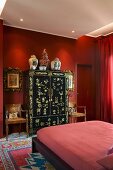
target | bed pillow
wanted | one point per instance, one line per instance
(110, 151)
(107, 162)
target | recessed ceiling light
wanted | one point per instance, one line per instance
(21, 19)
(73, 31)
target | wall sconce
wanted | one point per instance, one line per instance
(69, 80)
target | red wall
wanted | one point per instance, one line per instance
(20, 44)
(86, 52)
(1, 78)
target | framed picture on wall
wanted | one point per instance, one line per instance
(12, 79)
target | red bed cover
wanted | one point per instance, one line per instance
(79, 144)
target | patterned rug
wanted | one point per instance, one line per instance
(16, 155)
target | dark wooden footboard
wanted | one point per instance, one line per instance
(55, 160)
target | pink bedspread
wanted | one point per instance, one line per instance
(79, 144)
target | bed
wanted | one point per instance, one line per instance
(76, 146)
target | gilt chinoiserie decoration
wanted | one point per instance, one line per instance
(12, 79)
(46, 99)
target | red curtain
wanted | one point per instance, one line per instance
(105, 45)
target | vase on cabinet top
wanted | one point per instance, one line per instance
(33, 62)
(56, 64)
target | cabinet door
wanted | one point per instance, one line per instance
(58, 95)
(41, 95)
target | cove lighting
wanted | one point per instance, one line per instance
(2, 4)
(107, 29)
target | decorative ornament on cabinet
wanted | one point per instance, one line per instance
(55, 64)
(44, 61)
(33, 62)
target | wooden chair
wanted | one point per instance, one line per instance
(15, 115)
(75, 112)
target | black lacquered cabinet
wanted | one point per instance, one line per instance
(46, 99)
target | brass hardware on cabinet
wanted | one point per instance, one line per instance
(51, 94)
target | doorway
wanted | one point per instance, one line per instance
(85, 89)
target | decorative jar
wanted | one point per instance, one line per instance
(56, 64)
(33, 62)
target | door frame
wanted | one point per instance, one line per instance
(93, 84)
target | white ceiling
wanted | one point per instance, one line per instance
(60, 17)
